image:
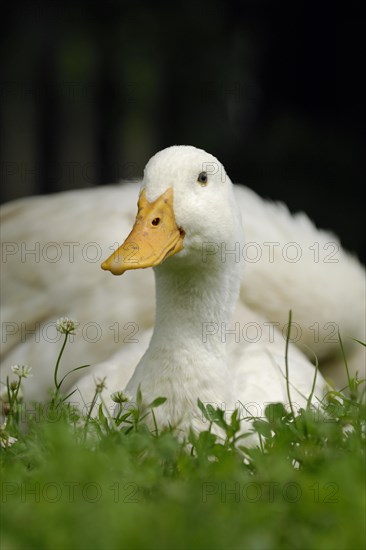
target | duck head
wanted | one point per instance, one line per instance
(186, 201)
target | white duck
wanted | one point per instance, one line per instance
(187, 227)
(61, 278)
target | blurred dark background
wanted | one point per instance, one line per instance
(90, 91)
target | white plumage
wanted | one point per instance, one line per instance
(52, 248)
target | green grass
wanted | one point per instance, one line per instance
(72, 482)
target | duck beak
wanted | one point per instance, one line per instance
(154, 237)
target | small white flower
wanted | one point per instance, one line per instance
(119, 397)
(23, 371)
(66, 325)
(6, 440)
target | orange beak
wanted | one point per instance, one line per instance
(154, 237)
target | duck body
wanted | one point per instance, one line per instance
(197, 295)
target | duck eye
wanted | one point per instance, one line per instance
(156, 221)
(202, 178)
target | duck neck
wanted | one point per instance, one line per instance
(194, 304)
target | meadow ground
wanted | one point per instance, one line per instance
(93, 482)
